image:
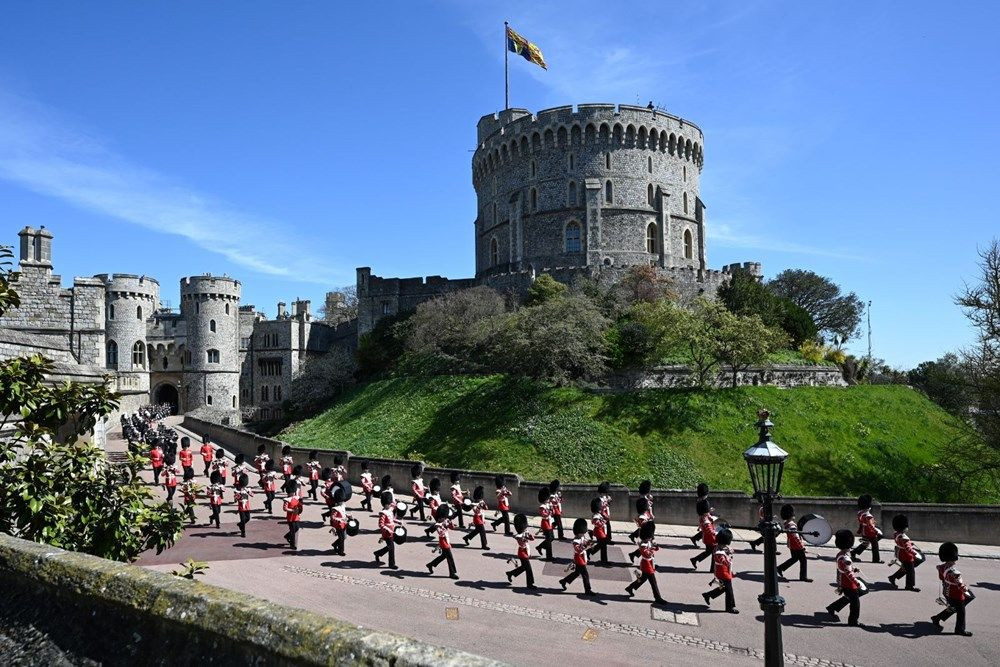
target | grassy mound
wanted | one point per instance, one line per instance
(843, 441)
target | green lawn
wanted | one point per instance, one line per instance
(876, 439)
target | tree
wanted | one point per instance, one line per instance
(642, 283)
(321, 378)
(57, 488)
(945, 382)
(561, 339)
(544, 289)
(380, 348)
(836, 315)
(745, 295)
(341, 305)
(456, 329)
(742, 341)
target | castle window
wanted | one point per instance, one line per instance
(571, 162)
(494, 213)
(213, 356)
(138, 355)
(197, 306)
(263, 393)
(494, 252)
(211, 326)
(534, 200)
(138, 312)
(111, 312)
(227, 309)
(165, 362)
(187, 357)
(649, 164)
(651, 245)
(685, 172)
(385, 307)
(573, 237)
(649, 194)
(685, 202)
(571, 196)
(277, 393)
(608, 193)
(607, 160)
(112, 354)
(688, 245)
(234, 400)
(208, 399)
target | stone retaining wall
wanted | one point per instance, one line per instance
(118, 614)
(778, 375)
(970, 524)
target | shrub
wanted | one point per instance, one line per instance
(812, 351)
(545, 288)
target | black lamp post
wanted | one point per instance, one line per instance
(766, 461)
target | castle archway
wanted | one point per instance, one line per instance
(167, 393)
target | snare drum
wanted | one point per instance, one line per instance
(467, 504)
(352, 527)
(376, 490)
(402, 507)
(399, 534)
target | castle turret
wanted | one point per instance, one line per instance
(130, 300)
(210, 306)
(594, 186)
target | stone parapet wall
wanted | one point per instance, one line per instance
(113, 613)
(778, 375)
(969, 524)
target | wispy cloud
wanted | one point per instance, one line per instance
(731, 235)
(41, 151)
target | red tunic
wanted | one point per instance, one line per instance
(600, 526)
(556, 502)
(269, 481)
(207, 453)
(215, 494)
(503, 499)
(418, 488)
(477, 513)
(646, 563)
(456, 495)
(386, 523)
(906, 552)
(867, 524)
(314, 468)
(545, 511)
(338, 518)
(293, 506)
(606, 507)
(644, 518)
(444, 541)
(286, 465)
(186, 457)
(242, 498)
(169, 477)
(156, 457)
(707, 525)
(188, 493)
(260, 462)
(723, 561)
(952, 585)
(522, 544)
(794, 539)
(846, 577)
(580, 545)
(366, 482)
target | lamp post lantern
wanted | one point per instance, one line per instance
(766, 461)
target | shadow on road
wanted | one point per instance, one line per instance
(263, 546)
(908, 630)
(345, 564)
(987, 585)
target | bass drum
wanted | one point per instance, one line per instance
(816, 530)
(399, 535)
(352, 527)
(402, 507)
(345, 489)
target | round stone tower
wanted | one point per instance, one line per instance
(597, 186)
(210, 306)
(130, 301)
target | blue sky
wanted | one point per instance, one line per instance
(288, 143)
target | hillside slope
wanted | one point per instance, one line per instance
(876, 439)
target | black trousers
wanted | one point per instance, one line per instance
(602, 547)
(338, 544)
(188, 473)
(800, 557)
(156, 476)
(444, 555)
(389, 548)
(268, 500)
(578, 571)
(313, 483)
(208, 466)
(546, 545)
(366, 504)
(524, 567)
(643, 578)
(170, 494)
(956, 607)
(461, 515)
(697, 537)
(608, 528)
(430, 529)
(215, 515)
(477, 529)
(418, 506)
(707, 553)
(504, 519)
(865, 543)
(293, 534)
(756, 543)
(244, 520)
(908, 570)
(189, 510)
(727, 588)
(848, 597)
(557, 523)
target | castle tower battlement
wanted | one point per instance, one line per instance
(130, 301)
(591, 186)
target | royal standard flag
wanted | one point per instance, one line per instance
(524, 48)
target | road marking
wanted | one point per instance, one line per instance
(589, 635)
(451, 613)
(558, 617)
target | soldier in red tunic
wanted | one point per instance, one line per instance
(643, 515)
(293, 513)
(269, 480)
(243, 494)
(478, 522)
(706, 520)
(221, 465)
(604, 493)
(702, 492)
(722, 560)
(338, 519)
(419, 491)
(795, 545)
(156, 460)
(647, 563)
(314, 467)
(327, 477)
(186, 458)
(600, 530)
(443, 525)
(503, 505)
(387, 529)
(555, 502)
(581, 541)
(848, 582)
(645, 488)
(207, 453)
(189, 495)
(367, 486)
(260, 461)
(215, 497)
(169, 478)
(760, 517)
(339, 469)
(433, 502)
(956, 595)
(286, 462)
(240, 469)
(869, 532)
(906, 553)
(457, 496)
(545, 512)
(522, 536)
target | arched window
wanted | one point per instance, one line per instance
(165, 362)
(608, 193)
(234, 400)
(534, 200)
(573, 237)
(649, 194)
(649, 164)
(197, 306)
(138, 355)
(211, 326)
(572, 162)
(685, 202)
(651, 245)
(607, 160)
(112, 354)
(534, 169)
(138, 312)
(685, 172)
(208, 399)
(111, 312)
(227, 309)
(688, 246)
(494, 252)
(213, 356)
(571, 196)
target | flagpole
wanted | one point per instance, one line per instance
(506, 80)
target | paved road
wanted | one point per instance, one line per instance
(483, 614)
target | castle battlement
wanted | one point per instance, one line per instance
(209, 286)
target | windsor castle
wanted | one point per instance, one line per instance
(573, 192)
